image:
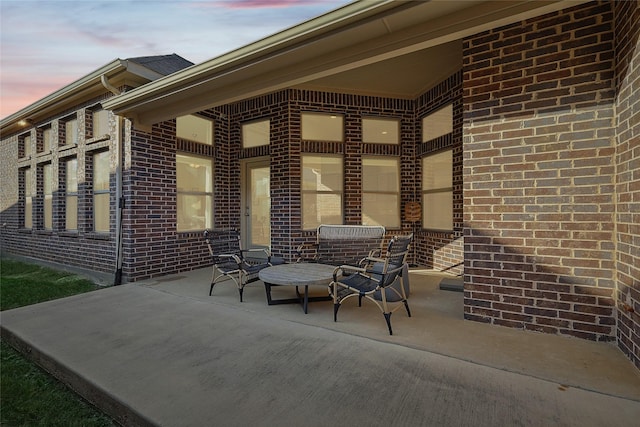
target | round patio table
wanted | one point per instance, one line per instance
(297, 274)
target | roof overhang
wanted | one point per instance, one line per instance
(322, 51)
(117, 73)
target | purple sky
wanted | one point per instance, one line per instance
(45, 45)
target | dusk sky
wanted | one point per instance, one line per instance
(45, 45)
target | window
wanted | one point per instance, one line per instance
(322, 184)
(100, 123)
(101, 192)
(26, 145)
(437, 191)
(28, 198)
(438, 123)
(195, 129)
(47, 180)
(194, 176)
(381, 130)
(381, 191)
(256, 134)
(71, 132)
(322, 127)
(47, 137)
(71, 191)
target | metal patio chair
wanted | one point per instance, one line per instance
(231, 262)
(373, 279)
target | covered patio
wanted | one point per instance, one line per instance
(162, 352)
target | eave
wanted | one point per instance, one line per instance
(353, 37)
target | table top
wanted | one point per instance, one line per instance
(298, 274)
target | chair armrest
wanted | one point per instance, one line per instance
(306, 247)
(348, 269)
(235, 257)
(375, 253)
(265, 250)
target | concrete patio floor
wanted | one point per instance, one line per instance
(163, 352)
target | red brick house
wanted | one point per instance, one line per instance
(514, 125)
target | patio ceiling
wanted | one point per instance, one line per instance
(390, 48)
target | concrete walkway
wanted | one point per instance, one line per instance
(162, 352)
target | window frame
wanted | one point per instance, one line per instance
(247, 131)
(100, 193)
(70, 215)
(304, 192)
(47, 190)
(209, 136)
(70, 138)
(434, 121)
(428, 221)
(207, 194)
(309, 126)
(25, 143)
(396, 192)
(370, 133)
(28, 198)
(96, 113)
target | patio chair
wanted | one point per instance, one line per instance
(373, 279)
(231, 262)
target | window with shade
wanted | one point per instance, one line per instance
(47, 183)
(381, 130)
(322, 127)
(47, 138)
(100, 123)
(194, 181)
(256, 134)
(195, 128)
(28, 198)
(71, 132)
(101, 194)
(437, 123)
(25, 145)
(437, 191)
(71, 195)
(381, 191)
(322, 188)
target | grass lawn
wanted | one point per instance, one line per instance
(30, 396)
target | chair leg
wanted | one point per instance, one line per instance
(211, 288)
(240, 291)
(406, 305)
(336, 307)
(387, 317)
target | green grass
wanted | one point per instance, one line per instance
(29, 396)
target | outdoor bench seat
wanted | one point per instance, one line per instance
(343, 244)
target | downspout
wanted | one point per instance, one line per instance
(105, 82)
(119, 200)
(120, 134)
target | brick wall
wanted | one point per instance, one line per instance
(627, 76)
(539, 174)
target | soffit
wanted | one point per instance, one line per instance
(394, 49)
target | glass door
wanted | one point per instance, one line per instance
(256, 204)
